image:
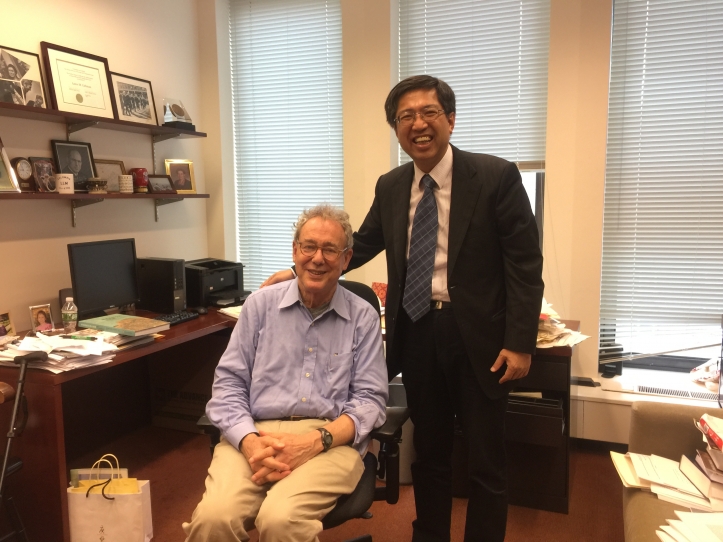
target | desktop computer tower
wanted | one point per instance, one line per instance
(161, 284)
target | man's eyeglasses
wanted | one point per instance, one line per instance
(427, 115)
(330, 254)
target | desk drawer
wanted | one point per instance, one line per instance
(535, 421)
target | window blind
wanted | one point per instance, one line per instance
(494, 56)
(287, 118)
(662, 258)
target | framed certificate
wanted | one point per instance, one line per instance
(78, 82)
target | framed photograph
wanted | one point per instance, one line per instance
(133, 99)
(21, 81)
(41, 318)
(181, 173)
(6, 324)
(161, 184)
(78, 82)
(43, 173)
(108, 170)
(8, 180)
(75, 157)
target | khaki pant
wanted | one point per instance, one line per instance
(289, 510)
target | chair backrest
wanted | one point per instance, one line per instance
(363, 291)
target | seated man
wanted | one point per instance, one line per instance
(303, 377)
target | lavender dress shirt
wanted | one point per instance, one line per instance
(279, 363)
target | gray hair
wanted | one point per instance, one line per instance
(326, 211)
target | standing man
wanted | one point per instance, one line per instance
(464, 269)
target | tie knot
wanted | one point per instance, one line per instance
(428, 182)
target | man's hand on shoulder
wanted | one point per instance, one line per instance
(279, 276)
(518, 364)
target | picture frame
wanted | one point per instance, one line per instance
(134, 100)
(8, 180)
(161, 184)
(108, 170)
(41, 318)
(78, 82)
(43, 173)
(81, 165)
(181, 173)
(6, 324)
(21, 78)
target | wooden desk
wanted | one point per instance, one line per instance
(76, 411)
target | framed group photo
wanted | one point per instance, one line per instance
(181, 173)
(75, 157)
(6, 324)
(108, 170)
(41, 318)
(161, 184)
(133, 99)
(78, 82)
(21, 80)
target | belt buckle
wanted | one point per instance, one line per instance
(437, 304)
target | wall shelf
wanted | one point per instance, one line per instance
(76, 122)
(82, 200)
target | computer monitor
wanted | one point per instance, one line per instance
(103, 274)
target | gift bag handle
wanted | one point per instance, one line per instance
(105, 483)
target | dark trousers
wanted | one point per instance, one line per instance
(440, 384)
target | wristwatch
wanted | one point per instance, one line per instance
(326, 438)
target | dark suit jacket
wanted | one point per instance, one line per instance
(494, 265)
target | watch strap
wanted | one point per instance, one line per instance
(326, 438)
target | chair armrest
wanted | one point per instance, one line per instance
(396, 417)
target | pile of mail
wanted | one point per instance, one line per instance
(64, 354)
(551, 332)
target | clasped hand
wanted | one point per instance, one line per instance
(272, 456)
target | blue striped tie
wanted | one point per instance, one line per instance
(422, 247)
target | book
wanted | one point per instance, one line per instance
(706, 463)
(124, 324)
(713, 428)
(709, 488)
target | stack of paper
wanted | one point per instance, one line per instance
(692, 527)
(63, 354)
(233, 312)
(551, 332)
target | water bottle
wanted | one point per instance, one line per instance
(70, 315)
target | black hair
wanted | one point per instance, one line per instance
(416, 82)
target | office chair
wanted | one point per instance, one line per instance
(14, 464)
(357, 504)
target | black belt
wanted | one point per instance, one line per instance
(437, 305)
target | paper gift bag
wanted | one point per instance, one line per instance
(125, 518)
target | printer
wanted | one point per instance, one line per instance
(214, 282)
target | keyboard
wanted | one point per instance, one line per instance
(177, 317)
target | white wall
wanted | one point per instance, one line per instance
(157, 41)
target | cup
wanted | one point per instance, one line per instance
(140, 179)
(64, 183)
(125, 183)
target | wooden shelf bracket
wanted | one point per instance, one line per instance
(78, 126)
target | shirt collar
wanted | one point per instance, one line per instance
(339, 304)
(441, 173)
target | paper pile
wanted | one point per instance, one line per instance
(551, 332)
(692, 527)
(63, 354)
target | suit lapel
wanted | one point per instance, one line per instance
(401, 189)
(466, 186)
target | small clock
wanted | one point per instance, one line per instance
(24, 173)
